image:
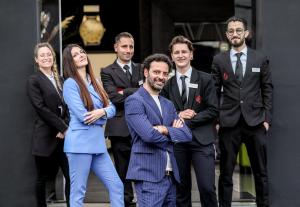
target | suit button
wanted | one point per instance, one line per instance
(241, 101)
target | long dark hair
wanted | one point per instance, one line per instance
(70, 71)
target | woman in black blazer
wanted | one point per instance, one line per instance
(44, 90)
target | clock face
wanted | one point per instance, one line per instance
(91, 30)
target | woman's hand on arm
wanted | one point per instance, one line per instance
(92, 116)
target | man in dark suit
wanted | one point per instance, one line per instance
(121, 79)
(195, 99)
(155, 127)
(245, 115)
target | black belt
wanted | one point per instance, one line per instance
(169, 173)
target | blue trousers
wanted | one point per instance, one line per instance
(80, 165)
(160, 194)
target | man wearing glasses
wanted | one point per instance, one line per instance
(243, 80)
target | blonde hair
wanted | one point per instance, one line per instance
(54, 66)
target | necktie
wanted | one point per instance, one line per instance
(183, 90)
(239, 67)
(126, 68)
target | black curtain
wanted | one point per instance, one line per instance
(18, 37)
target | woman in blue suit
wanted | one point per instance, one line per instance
(85, 147)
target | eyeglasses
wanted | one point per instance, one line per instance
(239, 31)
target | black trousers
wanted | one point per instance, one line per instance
(231, 139)
(203, 159)
(47, 168)
(121, 149)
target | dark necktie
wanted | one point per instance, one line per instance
(183, 90)
(126, 68)
(239, 67)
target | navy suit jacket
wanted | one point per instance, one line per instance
(148, 158)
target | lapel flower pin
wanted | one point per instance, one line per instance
(225, 76)
(198, 99)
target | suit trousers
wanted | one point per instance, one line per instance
(158, 194)
(101, 164)
(121, 149)
(47, 168)
(203, 159)
(231, 139)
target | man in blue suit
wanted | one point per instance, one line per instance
(155, 127)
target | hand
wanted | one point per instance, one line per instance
(92, 116)
(187, 114)
(161, 129)
(60, 135)
(266, 125)
(177, 123)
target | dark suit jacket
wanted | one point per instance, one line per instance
(252, 98)
(51, 114)
(114, 79)
(148, 157)
(203, 100)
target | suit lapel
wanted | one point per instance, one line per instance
(228, 66)
(192, 91)
(120, 73)
(165, 111)
(135, 75)
(149, 100)
(176, 93)
(50, 85)
(248, 64)
(92, 91)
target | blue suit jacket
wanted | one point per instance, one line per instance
(148, 158)
(80, 137)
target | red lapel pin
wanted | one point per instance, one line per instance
(198, 99)
(225, 76)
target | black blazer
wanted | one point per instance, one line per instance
(252, 98)
(51, 114)
(202, 99)
(114, 79)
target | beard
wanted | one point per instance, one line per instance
(237, 42)
(152, 83)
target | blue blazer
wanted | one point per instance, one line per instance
(80, 137)
(148, 158)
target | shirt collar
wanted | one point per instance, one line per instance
(188, 73)
(233, 51)
(51, 76)
(122, 65)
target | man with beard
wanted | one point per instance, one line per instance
(121, 79)
(155, 127)
(244, 77)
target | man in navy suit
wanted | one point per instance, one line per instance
(155, 127)
(244, 77)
